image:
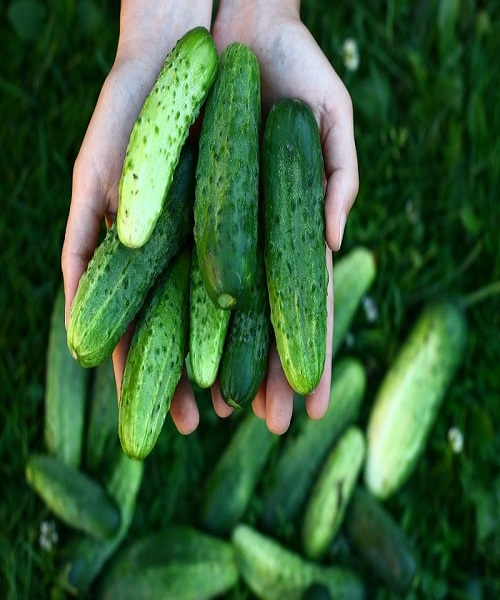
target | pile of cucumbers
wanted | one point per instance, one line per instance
(215, 249)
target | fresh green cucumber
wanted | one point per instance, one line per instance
(117, 280)
(288, 483)
(331, 493)
(229, 487)
(177, 562)
(273, 572)
(353, 274)
(66, 387)
(227, 179)
(380, 541)
(83, 558)
(294, 240)
(102, 428)
(244, 360)
(161, 131)
(410, 395)
(155, 359)
(208, 325)
(75, 498)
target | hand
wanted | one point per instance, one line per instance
(292, 64)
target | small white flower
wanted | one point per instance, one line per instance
(48, 535)
(456, 440)
(350, 54)
(370, 308)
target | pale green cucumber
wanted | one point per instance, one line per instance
(410, 395)
(155, 360)
(274, 572)
(66, 387)
(325, 509)
(160, 132)
(207, 331)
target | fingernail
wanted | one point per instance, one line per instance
(342, 222)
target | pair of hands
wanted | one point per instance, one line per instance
(292, 64)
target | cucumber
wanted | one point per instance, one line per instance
(380, 542)
(353, 274)
(244, 360)
(102, 428)
(294, 240)
(155, 359)
(227, 179)
(231, 484)
(288, 483)
(66, 387)
(117, 280)
(208, 324)
(161, 131)
(177, 562)
(84, 556)
(75, 498)
(408, 399)
(273, 572)
(331, 493)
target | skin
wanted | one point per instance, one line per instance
(292, 64)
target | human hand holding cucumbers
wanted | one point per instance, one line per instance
(301, 71)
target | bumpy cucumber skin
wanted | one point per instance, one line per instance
(227, 179)
(331, 493)
(117, 279)
(297, 277)
(75, 498)
(66, 387)
(229, 487)
(160, 132)
(244, 360)
(410, 395)
(291, 478)
(155, 360)
(274, 572)
(207, 330)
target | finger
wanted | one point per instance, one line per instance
(341, 165)
(120, 356)
(317, 401)
(221, 408)
(183, 409)
(279, 396)
(259, 402)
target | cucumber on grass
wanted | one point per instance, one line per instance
(227, 179)
(155, 360)
(294, 240)
(74, 497)
(117, 279)
(274, 572)
(66, 387)
(410, 395)
(160, 132)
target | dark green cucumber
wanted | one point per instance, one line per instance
(66, 387)
(294, 240)
(208, 325)
(161, 131)
(227, 179)
(274, 572)
(232, 482)
(288, 483)
(380, 541)
(75, 498)
(407, 402)
(83, 558)
(102, 428)
(244, 360)
(325, 508)
(155, 359)
(176, 562)
(117, 280)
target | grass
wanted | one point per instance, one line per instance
(426, 97)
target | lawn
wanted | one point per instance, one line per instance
(426, 96)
